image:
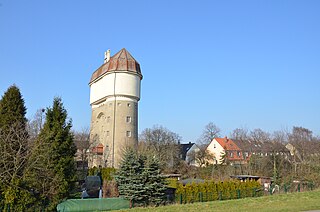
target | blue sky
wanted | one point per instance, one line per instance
(252, 64)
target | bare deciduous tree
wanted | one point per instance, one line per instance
(14, 154)
(210, 132)
(203, 157)
(35, 124)
(258, 135)
(239, 134)
(163, 144)
(81, 140)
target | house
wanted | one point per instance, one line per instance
(303, 150)
(224, 149)
(188, 152)
(240, 151)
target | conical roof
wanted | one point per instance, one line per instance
(121, 61)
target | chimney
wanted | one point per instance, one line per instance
(226, 138)
(107, 56)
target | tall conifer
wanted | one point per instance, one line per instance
(13, 148)
(54, 157)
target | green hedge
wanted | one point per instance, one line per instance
(106, 173)
(211, 191)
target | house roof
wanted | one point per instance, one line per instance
(184, 149)
(121, 61)
(227, 144)
(247, 146)
(258, 146)
(231, 148)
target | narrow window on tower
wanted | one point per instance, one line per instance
(129, 105)
(108, 119)
(128, 119)
(128, 133)
(108, 133)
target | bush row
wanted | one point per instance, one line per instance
(107, 174)
(211, 191)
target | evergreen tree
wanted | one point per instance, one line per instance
(139, 179)
(129, 178)
(154, 182)
(53, 160)
(12, 109)
(14, 151)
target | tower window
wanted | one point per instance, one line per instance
(119, 103)
(128, 119)
(129, 105)
(108, 133)
(108, 119)
(128, 133)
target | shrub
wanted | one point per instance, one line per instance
(210, 191)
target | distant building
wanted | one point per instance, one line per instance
(188, 153)
(240, 151)
(114, 96)
(224, 148)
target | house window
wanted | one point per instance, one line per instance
(231, 154)
(128, 133)
(239, 154)
(214, 145)
(247, 154)
(128, 119)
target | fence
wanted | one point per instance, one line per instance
(233, 190)
(290, 188)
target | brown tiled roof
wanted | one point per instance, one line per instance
(230, 147)
(247, 146)
(260, 147)
(121, 61)
(227, 144)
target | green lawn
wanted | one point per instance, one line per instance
(284, 202)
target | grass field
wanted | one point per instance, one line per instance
(285, 202)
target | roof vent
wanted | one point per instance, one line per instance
(107, 56)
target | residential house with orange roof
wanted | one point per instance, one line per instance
(225, 147)
(240, 151)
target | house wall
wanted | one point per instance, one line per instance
(217, 150)
(190, 155)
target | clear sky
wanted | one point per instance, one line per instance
(252, 64)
